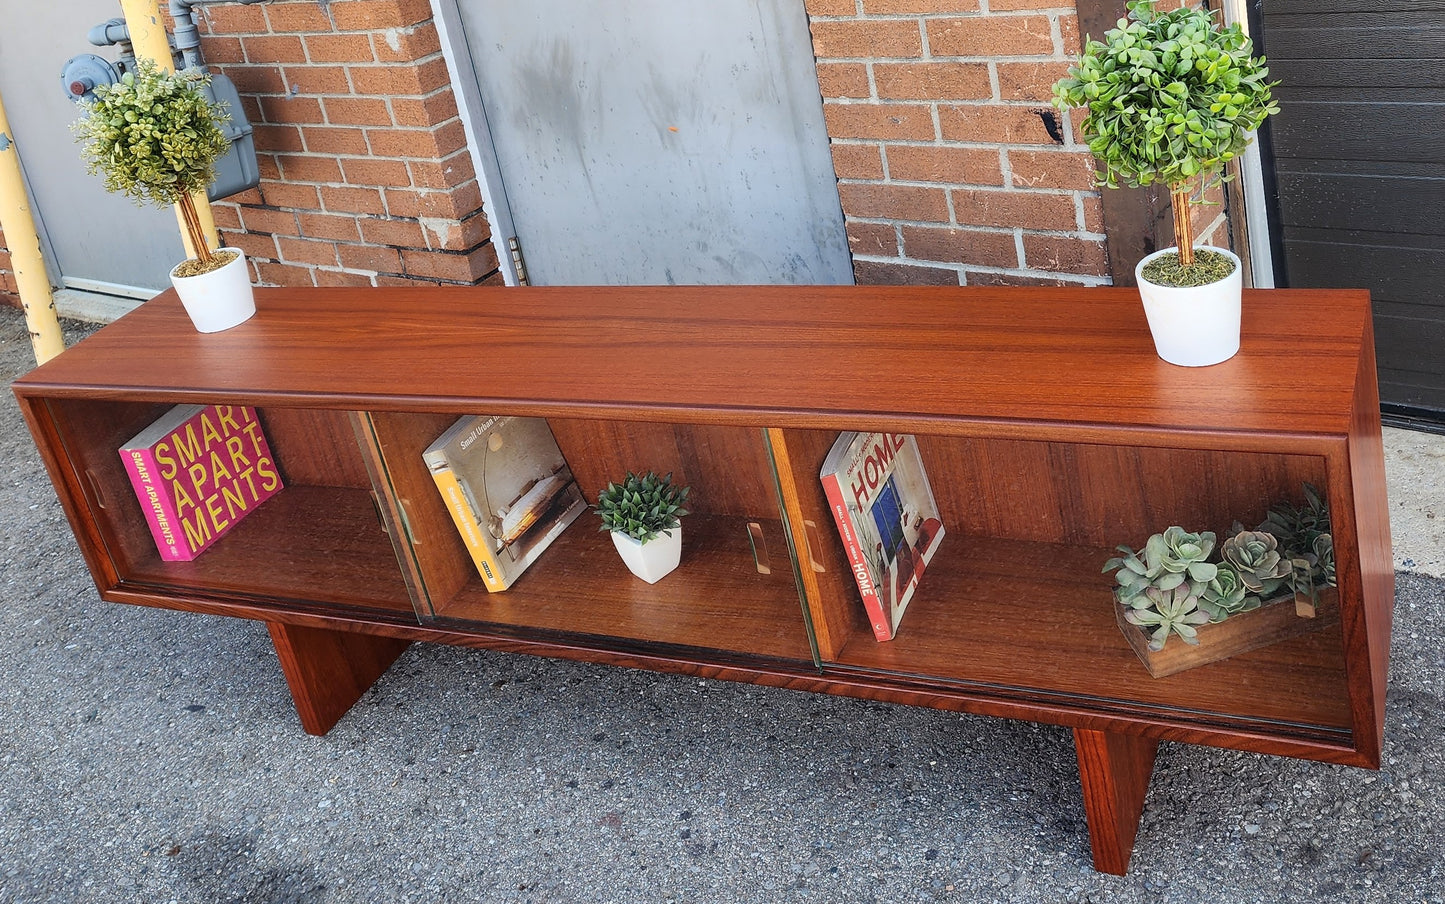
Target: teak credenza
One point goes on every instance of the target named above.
(1049, 429)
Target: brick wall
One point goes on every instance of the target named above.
(952, 166)
(365, 174)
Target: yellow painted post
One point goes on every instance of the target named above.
(23, 241)
(148, 37)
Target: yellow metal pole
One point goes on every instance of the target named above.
(148, 37)
(24, 243)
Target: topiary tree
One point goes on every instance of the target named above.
(1171, 97)
(155, 137)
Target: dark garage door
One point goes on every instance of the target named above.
(1359, 171)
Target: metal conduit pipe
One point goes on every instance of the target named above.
(187, 35)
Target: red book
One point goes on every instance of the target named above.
(883, 505)
(197, 471)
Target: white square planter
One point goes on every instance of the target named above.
(654, 559)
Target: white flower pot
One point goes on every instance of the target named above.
(653, 559)
(1197, 325)
(220, 299)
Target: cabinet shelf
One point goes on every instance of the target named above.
(718, 600)
(1037, 618)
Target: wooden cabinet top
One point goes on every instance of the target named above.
(1025, 361)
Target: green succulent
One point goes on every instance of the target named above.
(1298, 527)
(642, 507)
(1167, 561)
(1173, 611)
(1324, 548)
(1226, 595)
(1256, 556)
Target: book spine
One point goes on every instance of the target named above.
(470, 528)
(156, 502)
(857, 561)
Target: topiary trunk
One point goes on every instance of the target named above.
(1183, 228)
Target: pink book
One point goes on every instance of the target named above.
(197, 471)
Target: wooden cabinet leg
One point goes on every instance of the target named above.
(329, 670)
(1114, 769)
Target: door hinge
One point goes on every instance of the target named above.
(519, 263)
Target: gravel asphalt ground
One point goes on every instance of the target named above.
(154, 756)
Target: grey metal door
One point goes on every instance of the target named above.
(659, 141)
(1359, 167)
(93, 237)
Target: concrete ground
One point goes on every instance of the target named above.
(153, 756)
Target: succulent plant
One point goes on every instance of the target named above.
(642, 507)
(1297, 527)
(1173, 611)
(1256, 556)
(1324, 549)
(1167, 561)
(1226, 595)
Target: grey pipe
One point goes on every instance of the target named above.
(187, 35)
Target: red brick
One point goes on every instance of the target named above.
(234, 19)
(370, 257)
(356, 111)
(369, 15)
(256, 79)
(305, 251)
(351, 199)
(270, 170)
(317, 80)
(896, 202)
(403, 282)
(1005, 6)
(995, 123)
(249, 196)
(448, 173)
(1029, 81)
(220, 51)
(274, 49)
(897, 122)
(396, 232)
(425, 144)
(400, 45)
(990, 36)
(830, 7)
(424, 111)
(872, 239)
(1066, 254)
(456, 203)
(1069, 31)
(422, 78)
(385, 173)
(256, 246)
(843, 80)
(473, 230)
(225, 214)
(341, 278)
(857, 161)
(1093, 214)
(297, 17)
(332, 48)
(284, 274)
(276, 137)
(871, 38)
(322, 140)
(932, 163)
(260, 219)
(466, 268)
(881, 273)
(290, 195)
(920, 7)
(1052, 169)
(960, 246)
(298, 168)
(1031, 210)
(932, 81)
(290, 109)
(329, 226)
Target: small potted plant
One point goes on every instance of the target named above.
(154, 137)
(643, 515)
(1171, 98)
